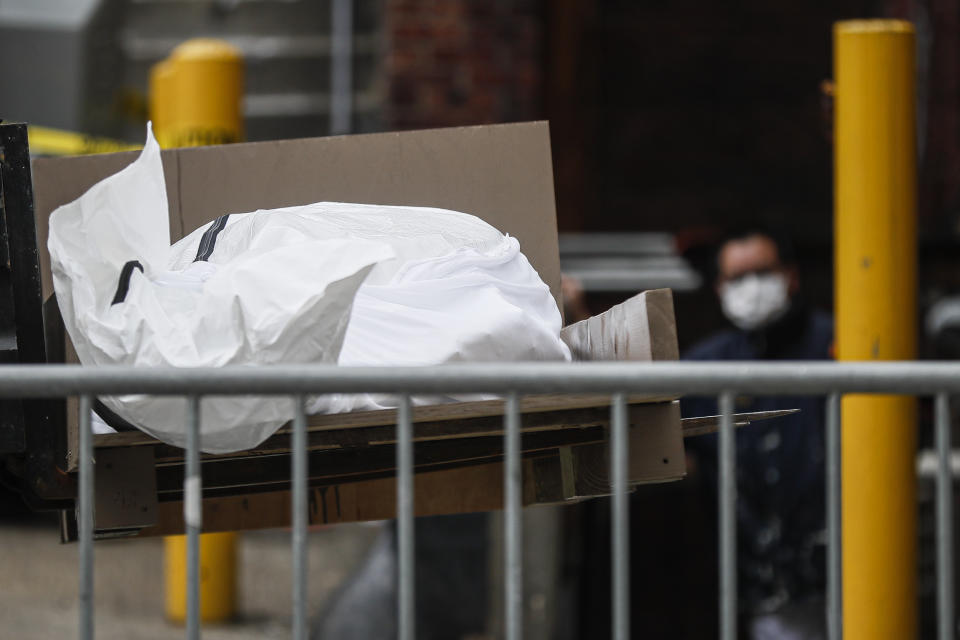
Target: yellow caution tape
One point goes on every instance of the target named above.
(56, 142)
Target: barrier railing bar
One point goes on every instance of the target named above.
(728, 521)
(945, 621)
(85, 517)
(299, 509)
(406, 597)
(661, 378)
(619, 455)
(512, 480)
(834, 567)
(193, 516)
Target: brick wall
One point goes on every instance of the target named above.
(461, 62)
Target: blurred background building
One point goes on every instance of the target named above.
(682, 117)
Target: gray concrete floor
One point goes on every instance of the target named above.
(38, 582)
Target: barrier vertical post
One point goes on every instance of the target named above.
(875, 300)
(620, 529)
(727, 463)
(406, 592)
(85, 499)
(299, 506)
(834, 572)
(513, 524)
(946, 623)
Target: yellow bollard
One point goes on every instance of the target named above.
(875, 298)
(196, 99)
(218, 561)
(201, 86)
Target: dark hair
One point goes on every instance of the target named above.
(784, 245)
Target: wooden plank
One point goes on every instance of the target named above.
(125, 489)
(463, 490)
(328, 439)
(452, 419)
(649, 419)
(711, 424)
(654, 438)
(340, 463)
(656, 455)
(473, 488)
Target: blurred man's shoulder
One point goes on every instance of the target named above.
(821, 322)
(722, 345)
(819, 340)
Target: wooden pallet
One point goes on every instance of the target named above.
(458, 450)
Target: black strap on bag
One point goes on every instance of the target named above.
(111, 418)
(124, 285)
(209, 239)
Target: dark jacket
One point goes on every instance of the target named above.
(780, 465)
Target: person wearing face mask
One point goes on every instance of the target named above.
(780, 462)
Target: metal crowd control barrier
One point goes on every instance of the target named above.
(722, 379)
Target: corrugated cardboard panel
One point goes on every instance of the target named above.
(640, 328)
(501, 173)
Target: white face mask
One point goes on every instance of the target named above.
(755, 300)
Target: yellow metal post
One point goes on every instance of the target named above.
(875, 300)
(218, 561)
(161, 101)
(200, 89)
(195, 99)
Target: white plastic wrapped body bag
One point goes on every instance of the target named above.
(456, 290)
(467, 306)
(325, 282)
(125, 299)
